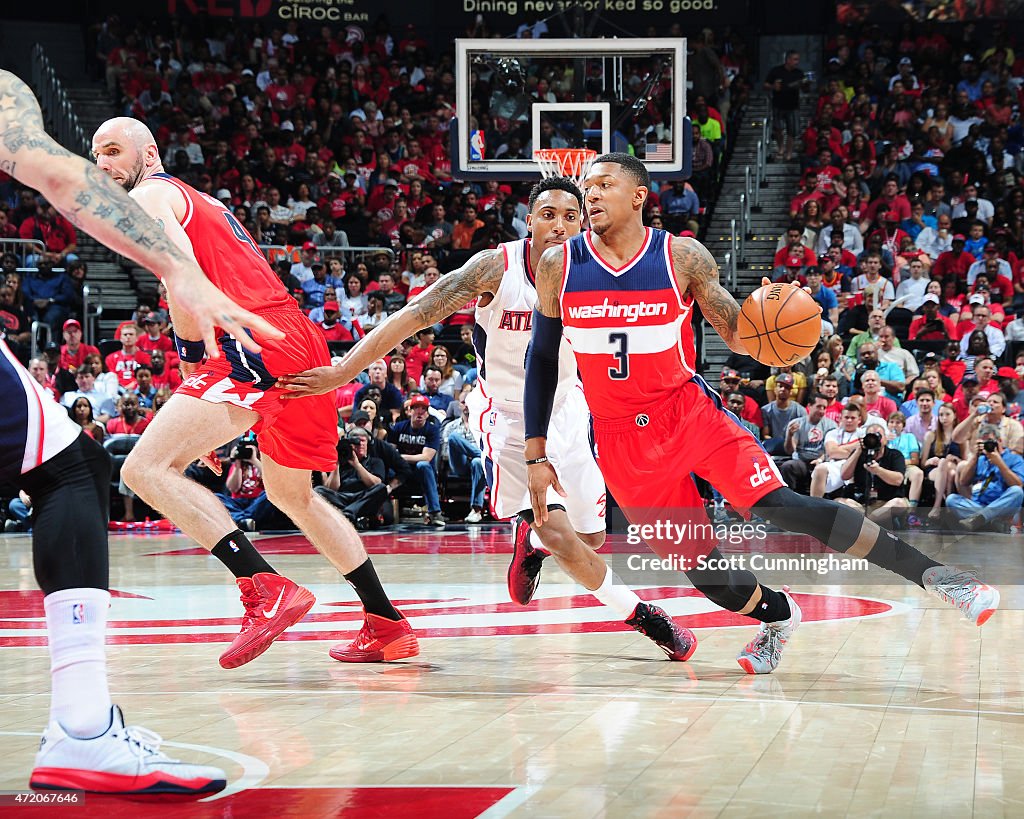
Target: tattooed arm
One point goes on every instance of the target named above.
(694, 267)
(481, 274)
(93, 202)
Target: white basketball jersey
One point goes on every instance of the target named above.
(502, 334)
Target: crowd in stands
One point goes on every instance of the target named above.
(330, 146)
(908, 230)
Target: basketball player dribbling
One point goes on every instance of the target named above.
(622, 295)
(223, 397)
(86, 745)
(502, 279)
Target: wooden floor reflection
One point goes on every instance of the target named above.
(887, 702)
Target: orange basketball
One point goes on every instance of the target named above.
(780, 324)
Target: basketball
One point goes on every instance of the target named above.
(780, 324)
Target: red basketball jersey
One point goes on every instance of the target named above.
(629, 327)
(227, 254)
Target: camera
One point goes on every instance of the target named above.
(345, 450)
(990, 446)
(872, 445)
(243, 453)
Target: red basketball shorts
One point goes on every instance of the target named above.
(301, 433)
(647, 463)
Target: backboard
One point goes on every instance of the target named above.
(514, 96)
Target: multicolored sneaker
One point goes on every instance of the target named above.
(762, 654)
(654, 623)
(124, 761)
(378, 641)
(524, 570)
(978, 601)
(272, 604)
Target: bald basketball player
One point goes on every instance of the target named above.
(231, 393)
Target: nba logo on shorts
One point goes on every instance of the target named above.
(476, 145)
(78, 613)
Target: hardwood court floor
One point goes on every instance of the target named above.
(886, 702)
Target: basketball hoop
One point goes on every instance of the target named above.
(569, 162)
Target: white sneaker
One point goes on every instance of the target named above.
(762, 654)
(978, 601)
(474, 516)
(119, 761)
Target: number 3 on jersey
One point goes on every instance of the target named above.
(621, 372)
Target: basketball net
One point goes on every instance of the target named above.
(569, 162)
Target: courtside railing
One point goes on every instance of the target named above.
(56, 105)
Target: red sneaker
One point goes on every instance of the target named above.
(524, 570)
(272, 604)
(379, 640)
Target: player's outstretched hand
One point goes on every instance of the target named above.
(209, 308)
(311, 382)
(765, 281)
(538, 478)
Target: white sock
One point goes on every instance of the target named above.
(617, 596)
(76, 621)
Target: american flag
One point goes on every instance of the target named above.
(659, 151)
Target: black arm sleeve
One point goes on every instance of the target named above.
(541, 374)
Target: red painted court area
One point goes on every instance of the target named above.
(309, 803)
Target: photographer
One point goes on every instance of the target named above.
(876, 475)
(356, 486)
(245, 498)
(989, 482)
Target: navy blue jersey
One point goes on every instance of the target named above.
(33, 427)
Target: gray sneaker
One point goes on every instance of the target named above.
(762, 654)
(435, 519)
(978, 601)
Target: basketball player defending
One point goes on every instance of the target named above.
(622, 294)
(86, 745)
(223, 397)
(502, 279)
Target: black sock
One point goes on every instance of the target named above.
(236, 552)
(364, 580)
(900, 557)
(772, 607)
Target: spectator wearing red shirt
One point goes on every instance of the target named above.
(131, 421)
(890, 200)
(54, 231)
(430, 275)
(730, 382)
(794, 248)
(891, 234)
(73, 351)
(153, 339)
(165, 374)
(875, 401)
(966, 392)
(810, 192)
(419, 356)
(125, 360)
(956, 261)
(932, 325)
(332, 327)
